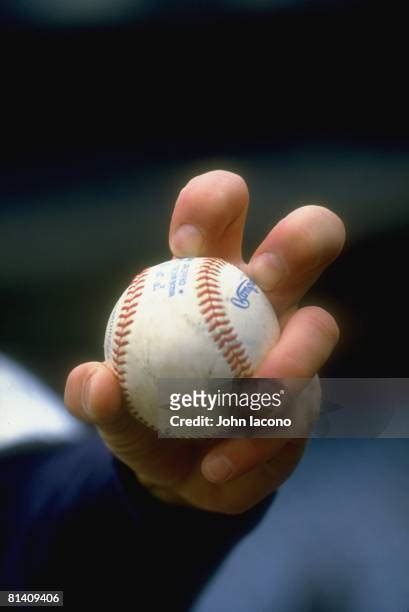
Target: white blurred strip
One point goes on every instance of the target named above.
(29, 411)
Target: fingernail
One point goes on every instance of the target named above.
(187, 241)
(267, 270)
(86, 395)
(218, 469)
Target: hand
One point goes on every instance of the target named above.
(227, 476)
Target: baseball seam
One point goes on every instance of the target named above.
(125, 320)
(220, 328)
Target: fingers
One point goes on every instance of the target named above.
(304, 346)
(209, 217)
(295, 253)
(233, 458)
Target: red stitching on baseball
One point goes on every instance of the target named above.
(125, 319)
(128, 314)
(215, 316)
(216, 313)
(128, 309)
(208, 308)
(225, 339)
(218, 336)
(200, 285)
(207, 291)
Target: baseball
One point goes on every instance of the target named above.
(186, 318)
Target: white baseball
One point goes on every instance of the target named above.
(186, 318)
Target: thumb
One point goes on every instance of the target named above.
(92, 394)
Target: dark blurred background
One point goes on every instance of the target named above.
(109, 106)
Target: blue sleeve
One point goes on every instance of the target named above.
(73, 518)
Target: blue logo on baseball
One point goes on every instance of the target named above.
(241, 299)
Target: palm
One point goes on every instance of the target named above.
(171, 469)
